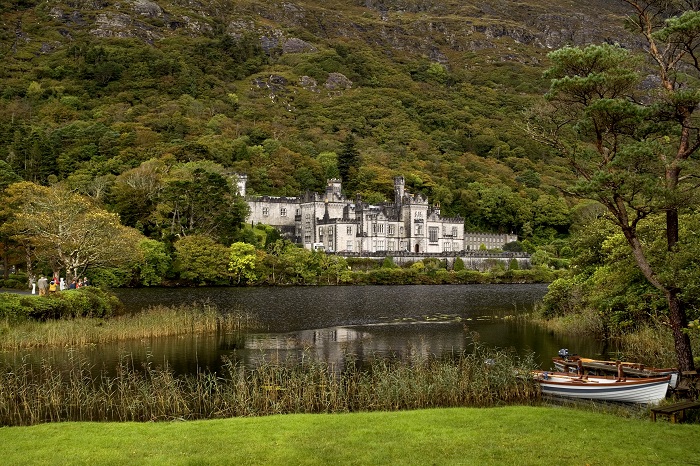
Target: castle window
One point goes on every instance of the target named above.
(349, 230)
(320, 233)
(391, 245)
(380, 245)
(392, 230)
(283, 212)
(419, 229)
(433, 234)
(381, 228)
(454, 232)
(349, 245)
(330, 232)
(446, 246)
(400, 231)
(266, 211)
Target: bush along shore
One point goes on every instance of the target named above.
(31, 395)
(20, 329)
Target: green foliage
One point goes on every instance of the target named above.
(202, 260)
(513, 264)
(242, 262)
(388, 263)
(154, 264)
(515, 246)
(84, 302)
(606, 279)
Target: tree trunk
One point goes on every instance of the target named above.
(679, 323)
(676, 308)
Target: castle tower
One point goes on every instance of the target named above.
(399, 186)
(241, 181)
(333, 189)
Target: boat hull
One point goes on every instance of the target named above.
(597, 367)
(639, 390)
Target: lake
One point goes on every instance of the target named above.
(334, 323)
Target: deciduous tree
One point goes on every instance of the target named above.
(242, 261)
(201, 259)
(67, 230)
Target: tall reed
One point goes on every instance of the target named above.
(652, 345)
(30, 395)
(156, 321)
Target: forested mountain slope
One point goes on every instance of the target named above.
(99, 93)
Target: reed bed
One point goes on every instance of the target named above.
(585, 323)
(652, 345)
(156, 321)
(31, 395)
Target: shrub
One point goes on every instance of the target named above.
(470, 276)
(83, 302)
(513, 264)
(388, 263)
(362, 263)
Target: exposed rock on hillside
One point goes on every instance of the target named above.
(432, 28)
(337, 82)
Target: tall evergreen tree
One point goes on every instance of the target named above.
(348, 161)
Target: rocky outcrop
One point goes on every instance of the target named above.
(337, 82)
(294, 45)
(309, 83)
(122, 25)
(432, 28)
(147, 8)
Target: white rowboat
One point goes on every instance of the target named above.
(577, 364)
(648, 390)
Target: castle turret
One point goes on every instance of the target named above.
(399, 186)
(241, 181)
(333, 189)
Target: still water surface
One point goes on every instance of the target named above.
(335, 323)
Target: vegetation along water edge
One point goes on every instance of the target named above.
(37, 393)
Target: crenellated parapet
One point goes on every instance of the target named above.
(272, 199)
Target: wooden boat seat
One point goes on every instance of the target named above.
(675, 411)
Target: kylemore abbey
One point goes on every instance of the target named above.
(334, 223)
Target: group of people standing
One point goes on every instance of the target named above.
(47, 287)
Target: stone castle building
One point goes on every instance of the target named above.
(331, 222)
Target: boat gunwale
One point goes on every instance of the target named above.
(613, 364)
(586, 380)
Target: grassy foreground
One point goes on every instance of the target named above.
(509, 435)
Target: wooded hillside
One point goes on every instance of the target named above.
(108, 96)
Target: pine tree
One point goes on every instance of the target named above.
(348, 160)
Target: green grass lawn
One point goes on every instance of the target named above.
(509, 435)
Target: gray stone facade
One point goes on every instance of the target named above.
(331, 222)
